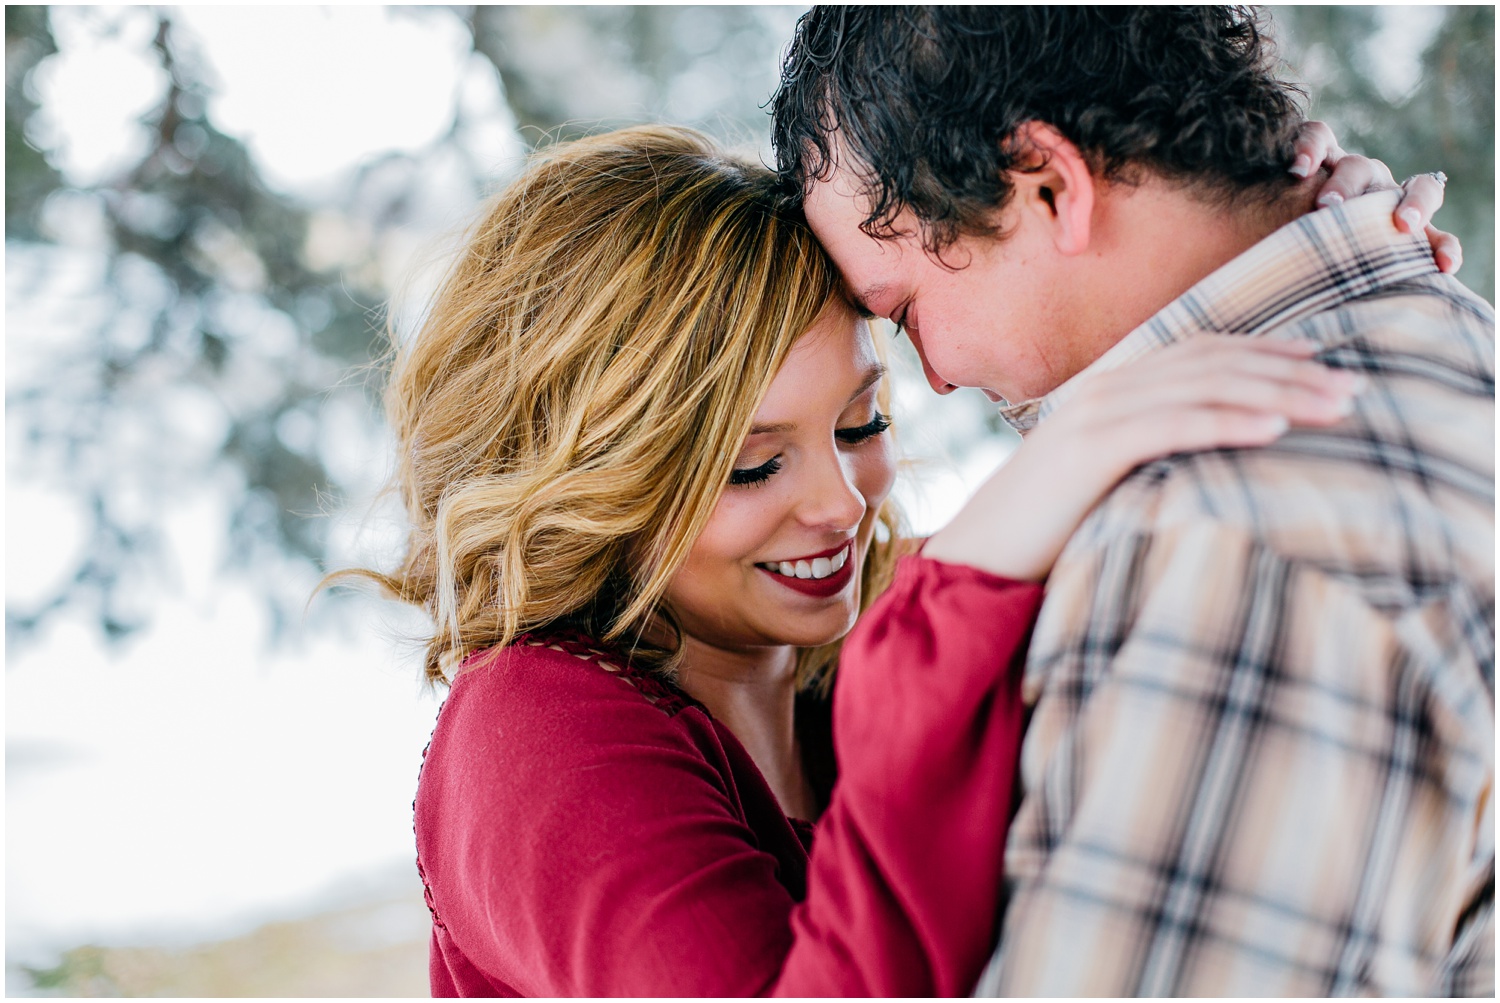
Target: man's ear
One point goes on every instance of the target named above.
(1057, 187)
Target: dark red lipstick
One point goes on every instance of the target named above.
(822, 588)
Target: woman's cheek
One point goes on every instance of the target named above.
(875, 472)
(742, 523)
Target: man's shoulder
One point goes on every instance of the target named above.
(1400, 494)
(1431, 317)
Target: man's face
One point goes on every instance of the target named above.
(982, 317)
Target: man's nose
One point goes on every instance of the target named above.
(935, 381)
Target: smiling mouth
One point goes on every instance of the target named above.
(815, 567)
(821, 576)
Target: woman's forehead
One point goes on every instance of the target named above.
(829, 367)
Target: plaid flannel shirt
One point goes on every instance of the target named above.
(1261, 752)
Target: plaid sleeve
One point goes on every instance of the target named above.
(1243, 780)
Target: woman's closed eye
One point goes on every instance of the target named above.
(872, 428)
(848, 436)
(755, 475)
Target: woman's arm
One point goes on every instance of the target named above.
(905, 880)
(1213, 391)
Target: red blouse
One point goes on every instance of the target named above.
(586, 831)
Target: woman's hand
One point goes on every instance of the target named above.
(1210, 392)
(1352, 175)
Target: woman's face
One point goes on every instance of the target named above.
(778, 562)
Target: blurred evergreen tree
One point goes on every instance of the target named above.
(28, 176)
(577, 70)
(200, 266)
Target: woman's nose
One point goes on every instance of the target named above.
(832, 499)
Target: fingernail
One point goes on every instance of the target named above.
(1412, 218)
(1345, 382)
(1276, 424)
(1328, 199)
(1345, 407)
(1302, 166)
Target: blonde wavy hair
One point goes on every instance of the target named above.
(573, 402)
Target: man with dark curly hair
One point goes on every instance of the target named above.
(1261, 753)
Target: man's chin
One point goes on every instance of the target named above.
(994, 397)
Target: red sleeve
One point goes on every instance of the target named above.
(904, 883)
(590, 846)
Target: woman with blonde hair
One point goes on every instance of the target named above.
(645, 454)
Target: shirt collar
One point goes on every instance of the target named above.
(1315, 263)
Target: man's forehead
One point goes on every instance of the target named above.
(839, 179)
(836, 200)
(838, 204)
(836, 208)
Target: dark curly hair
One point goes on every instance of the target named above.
(927, 101)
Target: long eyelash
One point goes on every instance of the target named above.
(853, 436)
(901, 321)
(756, 475)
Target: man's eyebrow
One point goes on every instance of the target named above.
(864, 297)
(872, 376)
